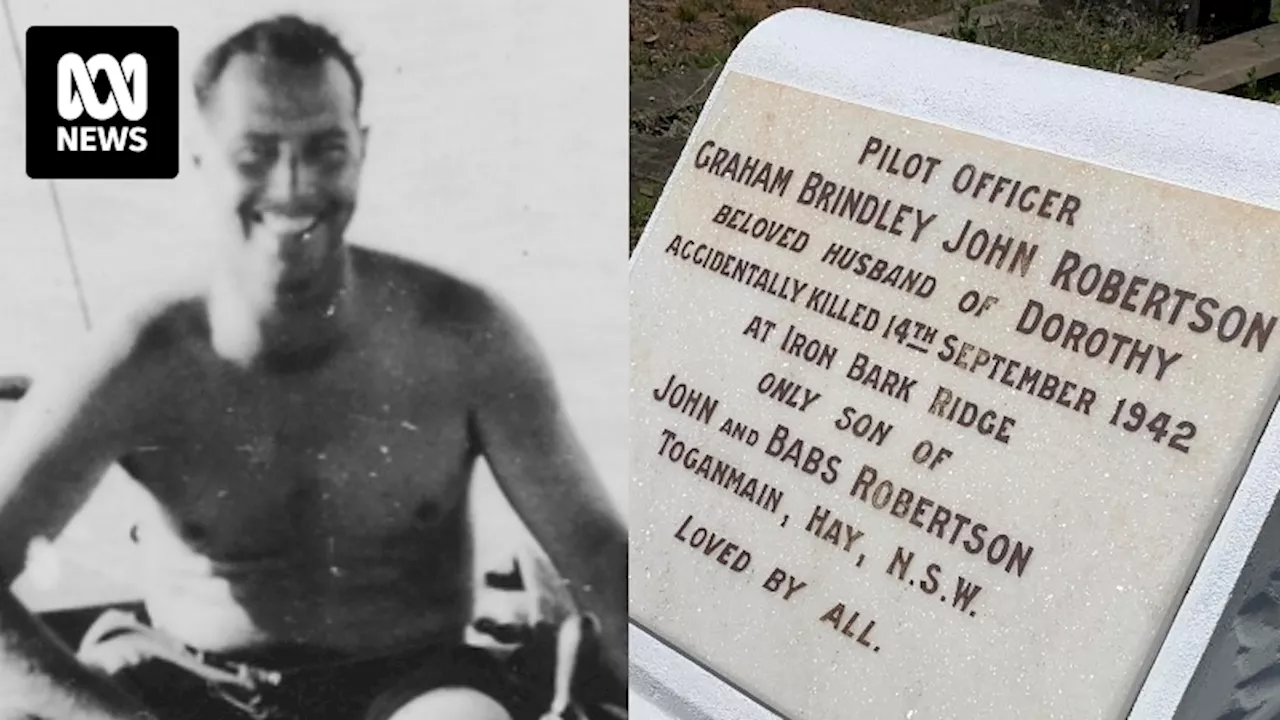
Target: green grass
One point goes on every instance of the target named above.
(710, 58)
(1267, 90)
(740, 23)
(1116, 41)
(642, 202)
(687, 12)
(676, 124)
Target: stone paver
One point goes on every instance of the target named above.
(1221, 65)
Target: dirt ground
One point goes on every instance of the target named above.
(669, 35)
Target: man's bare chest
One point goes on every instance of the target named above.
(364, 450)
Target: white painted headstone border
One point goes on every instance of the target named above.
(666, 685)
(1210, 143)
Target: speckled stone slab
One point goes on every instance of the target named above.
(927, 424)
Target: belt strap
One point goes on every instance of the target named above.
(119, 638)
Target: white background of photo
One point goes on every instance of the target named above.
(496, 152)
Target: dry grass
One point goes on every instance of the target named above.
(670, 35)
(1116, 41)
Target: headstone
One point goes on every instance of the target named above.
(950, 373)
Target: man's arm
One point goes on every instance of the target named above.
(66, 433)
(547, 477)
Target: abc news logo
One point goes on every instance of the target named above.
(78, 96)
(102, 102)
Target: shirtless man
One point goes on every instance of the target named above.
(308, 422)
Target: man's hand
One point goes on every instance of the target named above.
(546, 476)
(66, 433)
(39, 677)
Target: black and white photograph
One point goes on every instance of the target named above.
(331, 422)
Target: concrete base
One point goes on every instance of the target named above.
(1221, 65)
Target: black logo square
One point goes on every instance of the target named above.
(102, 102)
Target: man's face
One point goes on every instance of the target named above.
(284, 148)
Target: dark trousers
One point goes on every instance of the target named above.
(327, 688)
(324, 685)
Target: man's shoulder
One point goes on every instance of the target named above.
(437, 299)
(160, 324)
(128, 351)
(487, 330)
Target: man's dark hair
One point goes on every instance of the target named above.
(285, 38)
